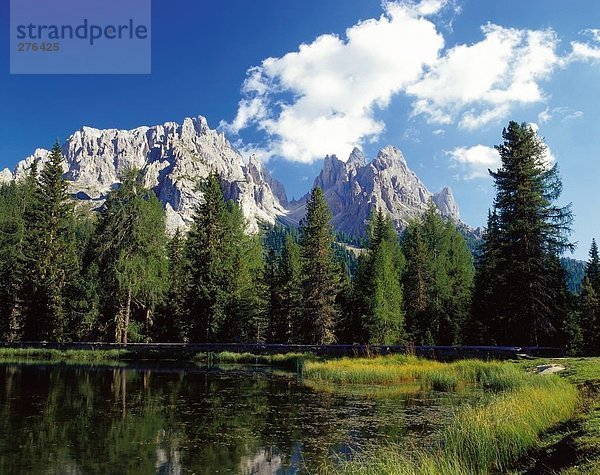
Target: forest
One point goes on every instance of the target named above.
(71, 274)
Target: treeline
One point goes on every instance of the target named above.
(70, 274)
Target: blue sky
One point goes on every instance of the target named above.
(439, 79)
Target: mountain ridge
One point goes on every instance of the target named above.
(175, 157)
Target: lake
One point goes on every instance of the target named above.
(184, 419)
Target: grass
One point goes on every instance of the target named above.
(293, 361)
(44, 354)
(575, 447)
(482, 438)
(400, 369)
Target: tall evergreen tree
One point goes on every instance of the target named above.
(532, 232)
(246, 318)
(131, 242)
(320, 278)
(50, 253)
(438, 280)
(589, 317)
(171, 324)
(208, 266)
(480, 328)
(285, 293)
(592, 267)
(379, 288)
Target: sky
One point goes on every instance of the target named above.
(293, 81)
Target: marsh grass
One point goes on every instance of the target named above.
(293, 361)
(482, 438)
(393, 370)
(44, 354)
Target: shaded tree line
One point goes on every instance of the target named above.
(70, 274)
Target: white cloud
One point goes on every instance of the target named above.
(545, 115)
(438, 132)
(325, 97)
(479, 83)
(565, 112)
(476, 160)
(322, 98)
(585, 51)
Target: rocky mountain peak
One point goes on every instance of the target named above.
(356, 159)
(173, 157)
(445, 202)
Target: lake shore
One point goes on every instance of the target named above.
(526, 421)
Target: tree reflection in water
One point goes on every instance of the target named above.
(171, 420)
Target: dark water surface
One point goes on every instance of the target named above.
(146, 419)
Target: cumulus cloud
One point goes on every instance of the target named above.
(586, 51)
(479, 83)
(565, 113)
(325, 97)
(322, 98)
(475, 161)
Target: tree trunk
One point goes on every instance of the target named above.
(127, 313)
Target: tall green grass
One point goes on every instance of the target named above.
(482, 438)
(407, 369)
(293, 361)
(46, 354)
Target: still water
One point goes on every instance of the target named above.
(161, 419)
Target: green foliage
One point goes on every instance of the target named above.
(49, 254)
(378, 290)
(520, 274)
(130, 244)
(320, 274)
(438, 280)
(285, 293)
(226, 290)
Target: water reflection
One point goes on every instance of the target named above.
(175, 420)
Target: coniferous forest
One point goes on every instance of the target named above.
(71, 274)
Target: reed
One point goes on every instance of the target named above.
(481, 439)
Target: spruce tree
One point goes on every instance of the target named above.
(50, 253)
(589, 304)
(131, 242)
(285, 293)
(208, 266)
(246, 318)
(592, 267)
(171, 324)
(438, 280)
(379, 286)
(320, 278)
(532, 232)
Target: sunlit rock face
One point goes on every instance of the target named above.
(173, 159)
(355, 187)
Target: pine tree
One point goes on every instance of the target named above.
(592, 267)
(50, 253)
(379, 288)
(208, 271)
(246, 318)
(319, 272)
(438, 280)
(171, 324)
(285, 293)
(480, 328)
(589, 317)
(131, 242)
(532, 232)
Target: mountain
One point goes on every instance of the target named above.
(353, 188)
(174, 158)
